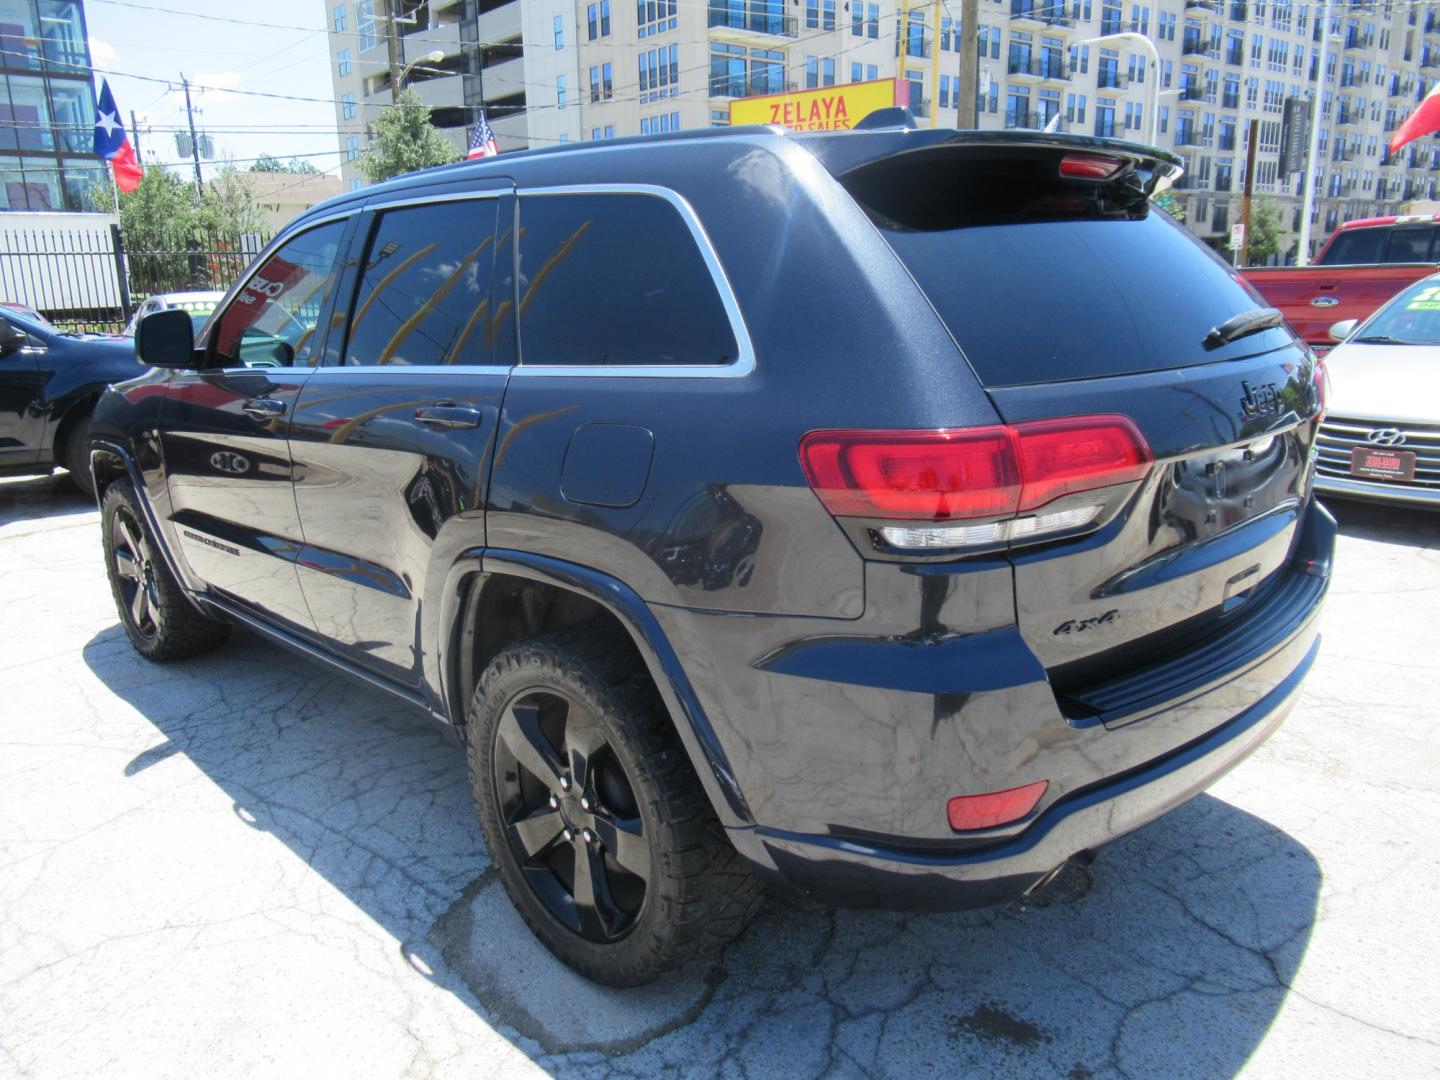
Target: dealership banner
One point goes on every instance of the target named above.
(831, 108)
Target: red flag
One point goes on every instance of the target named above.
(1425, 120)
(127, 169)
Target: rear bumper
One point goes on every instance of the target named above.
(1377, 491)
(847, 873)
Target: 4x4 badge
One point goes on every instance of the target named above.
(1079, 626)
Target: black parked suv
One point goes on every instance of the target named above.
(890, 515)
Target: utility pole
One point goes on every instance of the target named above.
(194, 141)
(935, 65)
(135, 131)
(970, 60)
(1252, 137)
(393, 9)
(1307, 202)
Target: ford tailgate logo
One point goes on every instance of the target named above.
(1325, 301)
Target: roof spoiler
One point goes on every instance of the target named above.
(1145, 170)
(893, 118)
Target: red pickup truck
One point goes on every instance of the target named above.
(1364, 264)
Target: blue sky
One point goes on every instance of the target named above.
(135, 38)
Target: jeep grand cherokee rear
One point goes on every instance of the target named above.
(905, 511)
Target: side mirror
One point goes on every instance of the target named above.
(1343, 329)
(12, 338)
(166, 339)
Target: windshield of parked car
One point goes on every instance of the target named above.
(1412, 318)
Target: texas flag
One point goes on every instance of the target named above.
(112, 144)
(1423, 121)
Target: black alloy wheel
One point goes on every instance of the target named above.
(134, 572)
(570, 815)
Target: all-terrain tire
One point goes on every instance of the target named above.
(162, 624)
(75, 454)
(701, 894)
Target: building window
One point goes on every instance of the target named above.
(365, 24)
(857, 71)
(857, 20)
(607, 80)
(872, 72)
(355, 184)
(342, 61)
(827, 21)
(872, 20)
(812, 73)
(812, 14)
(592, 21)
(594, 82)
(559, 32)
(655, 16)
(352, 147)
(347, 106)
(338, 18)
(827, 71)
(560, 91)
(604, 18)
(944, 91)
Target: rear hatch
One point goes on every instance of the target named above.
(1071, 295)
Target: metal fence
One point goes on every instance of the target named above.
(87, 279)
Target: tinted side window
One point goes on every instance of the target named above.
(1410, 245)
(615, 280)
(271, 321)
(1357, 246)
(424, 293)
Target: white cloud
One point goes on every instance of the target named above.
(102, 53)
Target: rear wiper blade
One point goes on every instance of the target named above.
(1384, 339)
(1247, 322)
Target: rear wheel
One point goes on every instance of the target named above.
(593, 816)
(75, 454)
(158, 618)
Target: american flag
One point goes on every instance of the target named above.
(482, 140)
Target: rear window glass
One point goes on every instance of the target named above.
(1037, 284)
(1383, 244)
(614, 279)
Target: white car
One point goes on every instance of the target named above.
(198, 304)
(1380, 439)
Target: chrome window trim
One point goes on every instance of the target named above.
(744, 362)
(383, 203)
(415, 369)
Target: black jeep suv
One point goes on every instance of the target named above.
(892, 515)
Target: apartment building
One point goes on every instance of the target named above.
(47, 107)
(551, 71)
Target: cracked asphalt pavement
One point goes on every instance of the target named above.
(247, 866)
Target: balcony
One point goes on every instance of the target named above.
(1108, 79)
(1344, 117)
(1227, 142)
(1111, 25)
(1193, 92)
(1395, 89)
(1230, 101)
(1105, 128)
(1358, 41)
(758, 20)
(1193, 45)
(1239, 12)
(1224, 182)
(1052, 68)
(1189, 137)
(1235, 56)
(1023, 119)
(1046, 14)
(1205, 5)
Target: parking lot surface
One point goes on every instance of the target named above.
(247, 866)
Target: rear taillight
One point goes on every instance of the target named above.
(996, 472)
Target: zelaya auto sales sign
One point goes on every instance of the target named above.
(831, 108)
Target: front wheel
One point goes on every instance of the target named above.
(160, 621)
(592, 814)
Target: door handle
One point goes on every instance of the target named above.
(263, 408)
(449, 415)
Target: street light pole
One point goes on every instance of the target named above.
(1154, 71)
(1307, 199)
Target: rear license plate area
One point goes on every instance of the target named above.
(1375, 464)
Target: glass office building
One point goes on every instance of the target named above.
(47, 107)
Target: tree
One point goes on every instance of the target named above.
(405, 140)
(178, 239)
(267, 163)
(1268, 235)
(1166, 201)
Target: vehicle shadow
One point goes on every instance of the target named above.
(1386, 523)
(31, 498)
(1170, 956)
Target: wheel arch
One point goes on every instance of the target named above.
(495, 597)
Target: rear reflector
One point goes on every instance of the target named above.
(1089, 166)
(967, 812)
(986, 472)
